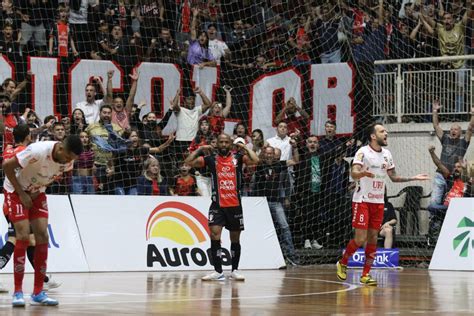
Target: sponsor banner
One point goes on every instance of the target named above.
(148, 233)
(455, 247)
(384, 258)
(65, 249)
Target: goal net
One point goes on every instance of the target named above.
(178, 73)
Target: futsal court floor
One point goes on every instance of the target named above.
(295, 291)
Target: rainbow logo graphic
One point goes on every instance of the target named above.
(178, 222)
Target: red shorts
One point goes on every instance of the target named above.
(367, 215)
(17, 212)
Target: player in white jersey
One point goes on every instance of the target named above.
(371, 166)
(28, 174)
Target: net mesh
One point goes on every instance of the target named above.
(250, 65)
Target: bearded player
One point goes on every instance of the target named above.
(226, 207)
(371, 165)
(27, 176)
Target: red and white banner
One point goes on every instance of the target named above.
(331, 84)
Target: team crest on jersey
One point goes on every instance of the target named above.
(360, 156)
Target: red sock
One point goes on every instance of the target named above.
(370, 251)
(350, 249)
(41, 255)
(19, 256)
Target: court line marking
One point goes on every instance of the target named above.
(350, 287)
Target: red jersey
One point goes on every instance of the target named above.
(457, 191)
(185, 187)
(8, 153)
(11, 151)
(226, 178)
(10, 123)
(217, 124)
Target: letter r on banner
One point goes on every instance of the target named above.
(332, 97)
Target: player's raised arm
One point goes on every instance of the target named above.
(194, 160)
(396, 178)
(250, 157)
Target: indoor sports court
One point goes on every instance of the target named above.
(295, 291)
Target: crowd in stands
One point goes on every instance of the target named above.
(126, 152)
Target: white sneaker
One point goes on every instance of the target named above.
(235, 275)
(307, 244)
(214, 276)
(3, 289)
(316, 245)
(51, 284)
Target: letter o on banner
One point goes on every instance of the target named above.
(261, 107)
(84, 70)
(170, 76)
(7, 69)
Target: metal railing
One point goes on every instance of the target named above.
(405, 93)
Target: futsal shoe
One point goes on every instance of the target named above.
(368, 280)
(307, 244)
(341, 271)
(235, 275)
(18, 300)
(214, 276)
(51, 284)
(43, 299)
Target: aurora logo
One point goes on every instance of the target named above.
(464, 238)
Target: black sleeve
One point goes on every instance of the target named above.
(165, 119)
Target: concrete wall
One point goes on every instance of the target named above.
(409, 146)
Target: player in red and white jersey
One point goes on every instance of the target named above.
(27, 176)
(371, 166)
(226, 207)
(22, 138)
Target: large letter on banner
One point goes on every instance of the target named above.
(170, 77)
(207, 79)
(43, 86)
(84, 70)
(332, 97)
(7, 69)
(261, 107)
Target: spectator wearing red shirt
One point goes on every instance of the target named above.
(61, 39)
(294, 123)
(217, 114)
(8, 119)
(184, 184)
(202, 135)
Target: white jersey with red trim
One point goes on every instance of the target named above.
(372, 190)
(38, 169)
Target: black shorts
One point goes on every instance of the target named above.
(231, 218)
